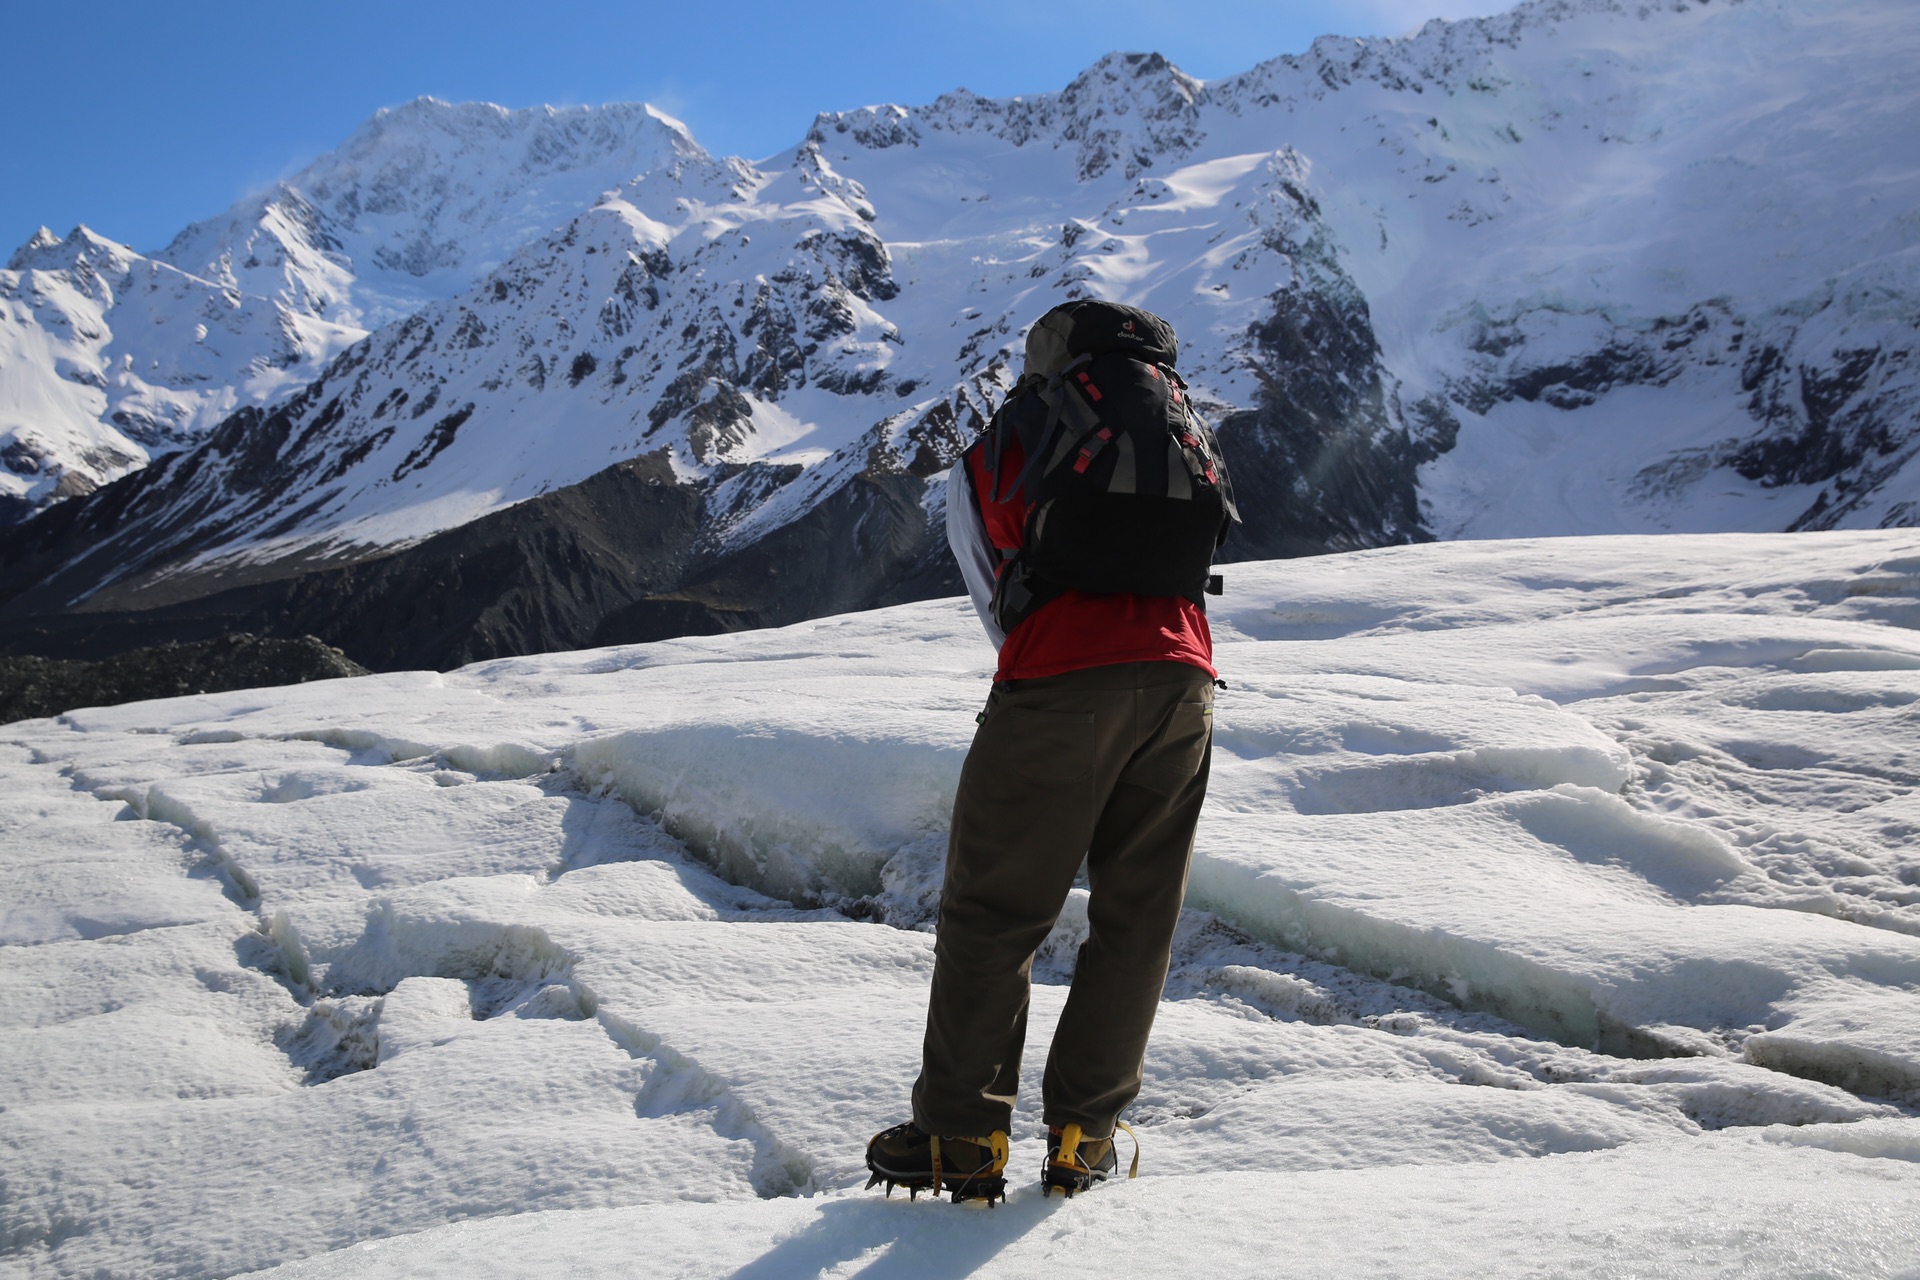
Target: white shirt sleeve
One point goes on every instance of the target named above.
(967, 535)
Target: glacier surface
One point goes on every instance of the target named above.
(1556, 909)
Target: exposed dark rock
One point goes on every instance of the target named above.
(630, 554)
(865, 265)
(437, 440)
(35, 686)
(721, 420)
(872, 127)
(22, 458)
(777, 361)
(532, 578)
(1319, 465)
(1823, 422)
(868, 544)
(852, 383)
(1649, 355)
(1323, 462)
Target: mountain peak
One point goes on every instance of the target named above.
(1133, 71)
(27, 254)
(46, 251)
(543, 136)
(1129, 109)
(422, 199)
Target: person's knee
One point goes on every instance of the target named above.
(977, 933)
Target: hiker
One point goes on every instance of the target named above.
(1084, 520)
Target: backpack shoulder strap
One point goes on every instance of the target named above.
(1054, 394)
(1001, 428)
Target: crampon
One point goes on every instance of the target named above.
(1075, 1162)
(960, 1168)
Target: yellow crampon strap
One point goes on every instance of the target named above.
(1064, 1155)
(997, 1151)
(1067, 1156)
(1134, 1170)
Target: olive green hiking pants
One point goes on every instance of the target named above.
(1109, 764)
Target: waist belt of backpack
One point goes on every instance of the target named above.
(1018, 595)
(1018, 592)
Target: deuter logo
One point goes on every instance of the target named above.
(1126, 327)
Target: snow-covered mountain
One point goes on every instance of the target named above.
(109, 357)
(422, 201)
(113, 357)
(1585, 267)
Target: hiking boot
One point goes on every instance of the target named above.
(967, 1168)
(1075, 1163)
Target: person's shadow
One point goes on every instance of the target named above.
(921, 1241)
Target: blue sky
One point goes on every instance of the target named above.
(137, 118)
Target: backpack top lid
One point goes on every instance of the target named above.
(1090, 327)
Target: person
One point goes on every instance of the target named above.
(1095, 744)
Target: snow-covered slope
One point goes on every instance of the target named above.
(1578, 268)
(1661, 258)
(1555, 911)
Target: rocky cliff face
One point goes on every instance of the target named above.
(1520, 275)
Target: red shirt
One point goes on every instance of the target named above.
(1079, 630)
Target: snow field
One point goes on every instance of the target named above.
(1726, 1205)
(1554, 910)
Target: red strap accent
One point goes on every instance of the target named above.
(1086, 453)
(1093, 392)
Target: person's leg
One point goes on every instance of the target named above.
(1022, 819)
(1137, 868)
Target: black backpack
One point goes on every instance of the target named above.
(1125, 485)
